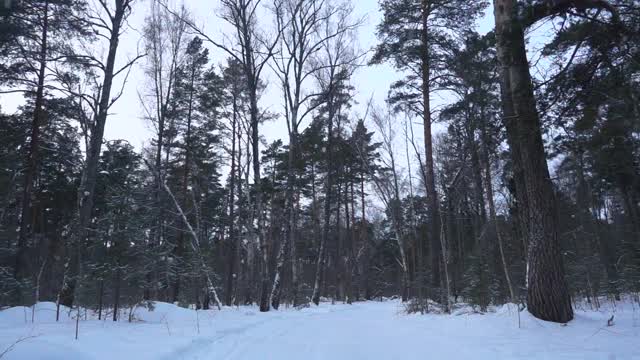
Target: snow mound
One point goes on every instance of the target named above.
(43, 312)
(160, 313)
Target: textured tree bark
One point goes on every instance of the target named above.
(548, 295)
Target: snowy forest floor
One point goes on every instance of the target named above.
(367, 330)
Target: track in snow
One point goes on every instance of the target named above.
(381, 331)
(370, 330)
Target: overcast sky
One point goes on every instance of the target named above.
(126, 116)
(126, 120)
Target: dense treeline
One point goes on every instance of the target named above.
(531, 194)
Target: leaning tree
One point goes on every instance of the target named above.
(547, 291)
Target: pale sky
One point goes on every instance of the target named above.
(126, 120)
(126, 116)
(127, 123)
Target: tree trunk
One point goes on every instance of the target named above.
(179, 250)
(233, 246)
(488, 178)
(320, 261)
(265, 282)
(477, 177)
(32, 156)
(89, 176)
(548, 295)
(100, 298)
(349, 261)
(445, 262)
(589, 223)
(293, 255)
(290, 215)
(365, 243)
(417, 239)
(396, 214)
(430, 184)
(116, 292)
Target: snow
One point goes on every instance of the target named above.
(366, 330)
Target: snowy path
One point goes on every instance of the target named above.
(379, 331)
(334, 332)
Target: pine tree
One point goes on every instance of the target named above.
(40, 31)
(547, 295)
(415, 35)
(364, 169)
(103, 102)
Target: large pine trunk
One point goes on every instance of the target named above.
(548, 295)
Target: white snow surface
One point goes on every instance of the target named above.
(366, 330)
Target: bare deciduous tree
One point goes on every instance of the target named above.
(253, 48)
(334, 62)
(109, 22)
(304, 31)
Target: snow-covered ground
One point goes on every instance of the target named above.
(371, 330)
